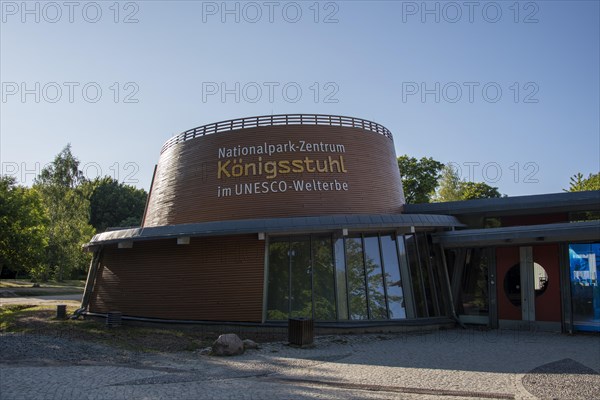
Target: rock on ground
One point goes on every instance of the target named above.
(228, 344)
(250, 344)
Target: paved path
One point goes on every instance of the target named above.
(70, 299)
(452, 364)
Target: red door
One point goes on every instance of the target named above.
(547, 300)
(528, 286)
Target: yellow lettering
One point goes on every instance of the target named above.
(298, 166)
(248, 167)
(284, 167)
(308, 163)
(222, 170)
(271, 169)
(323, 168)
(237, 169)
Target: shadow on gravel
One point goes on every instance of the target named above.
(501, 351)
(576, 381)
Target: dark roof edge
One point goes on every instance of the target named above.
(278, 225)
(546, 233)
(532, 204)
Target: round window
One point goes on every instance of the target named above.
(512, 282)
(540, 279)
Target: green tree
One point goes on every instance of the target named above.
(453, 188)
(322, 282)
(419, 178)
(63, 172)
(355, 272)
(279, 280)
(478, 190)
(579, 184)
(115, 204)
(22, 227)
(449, 185)
(60, 185)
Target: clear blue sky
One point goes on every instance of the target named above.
(375, 61)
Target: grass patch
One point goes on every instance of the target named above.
(42, 320)
(9, 315)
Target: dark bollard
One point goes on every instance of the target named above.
(301, 331)
(61, 311)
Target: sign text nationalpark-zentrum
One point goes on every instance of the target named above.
(289, 147)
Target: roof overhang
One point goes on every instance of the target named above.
(531, 234)
(279, 226)
(517, 205)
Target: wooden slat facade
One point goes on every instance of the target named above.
(221, 278)
(185, 184)
(210, 279)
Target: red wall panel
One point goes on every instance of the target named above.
(506, 257)
(547, 304)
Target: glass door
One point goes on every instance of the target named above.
(584, 261)
(301, 278)
(470, 284)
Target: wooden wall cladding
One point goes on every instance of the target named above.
(186, 184)
(210, 279)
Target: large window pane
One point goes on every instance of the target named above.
(301, 278)
(356, 278)
(417, 278)
(439, 276)
(323, 286)
(377, 304)
(340, 279)
(450, 260)
(392, 277)
(473, 296)
(429, 280)
(279, 280)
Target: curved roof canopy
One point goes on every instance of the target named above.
(279, 226)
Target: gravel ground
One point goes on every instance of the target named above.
(17, 348)
(448, 364)
(563, 379)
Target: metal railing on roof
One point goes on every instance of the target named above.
(275, 120)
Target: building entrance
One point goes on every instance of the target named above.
(528, 287)
(584, 260)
